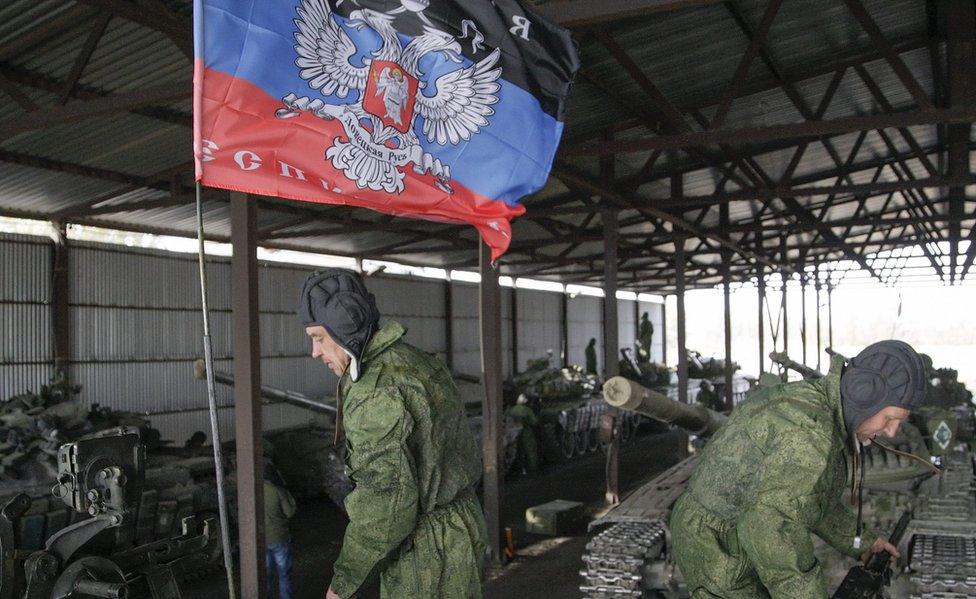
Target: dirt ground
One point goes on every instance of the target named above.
(543, 566)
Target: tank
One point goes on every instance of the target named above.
(630, 554)
(569, 410)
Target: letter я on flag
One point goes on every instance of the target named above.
(447, 110)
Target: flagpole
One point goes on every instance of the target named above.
(212, 404)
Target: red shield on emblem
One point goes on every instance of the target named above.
(390, 94)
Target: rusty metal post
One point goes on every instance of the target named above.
(60, 290)
(679, 283)
(611, 342)
(816, 287)
(761, 291)
(247, 395)
(564, 326)
(726, 293)
(830, 313)
(664, 332)
(513, 317)
(490, 310)
(448, 325)
(784, 307)
(803, 315)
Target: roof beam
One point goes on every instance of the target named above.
(153, 15)
(37, 80)
(79, 111)
(746, 135)
(889, 53)
(573, 177)
(585, 13)
(84, 55)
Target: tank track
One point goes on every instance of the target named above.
(943, 560)
(614, 559)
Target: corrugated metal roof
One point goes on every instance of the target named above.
(689, 54)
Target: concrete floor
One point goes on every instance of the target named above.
(543, 566)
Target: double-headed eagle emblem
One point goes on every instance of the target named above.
(391, 91)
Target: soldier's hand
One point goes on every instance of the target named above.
(330, 594)
(881, 544)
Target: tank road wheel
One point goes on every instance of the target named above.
(582, 437)
(626, 429)
(567, 443)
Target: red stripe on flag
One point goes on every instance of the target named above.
(243, 146)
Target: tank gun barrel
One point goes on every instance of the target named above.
(268, 392)
(784, 360)
(626, 394)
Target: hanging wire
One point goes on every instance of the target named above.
(212, 404)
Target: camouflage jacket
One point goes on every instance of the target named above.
(409, 451)
(778, 471)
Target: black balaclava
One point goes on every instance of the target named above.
(338, 300)
(886, 373)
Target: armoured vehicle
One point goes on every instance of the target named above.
(102, 552)
(630, 554)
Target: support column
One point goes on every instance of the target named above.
(490, 308)
(564, 324)
(247, 398)
(664, 331)
(803, 315)
(726, 282)
(761, 284)
(761, 292)
(448, 325)
(816, 286)
(785, 276)
(611, 342)
(60, 291)
(830, 314)
(679, 285)
(513, 316)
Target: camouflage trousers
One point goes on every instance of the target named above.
(708, 554)
(443, 557)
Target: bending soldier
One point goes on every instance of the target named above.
(776, 473)
(414, 518)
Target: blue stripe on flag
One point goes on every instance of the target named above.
(506, 160)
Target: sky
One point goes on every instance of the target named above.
(934, 319)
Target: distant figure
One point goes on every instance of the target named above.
(591, 356)
(528, 444)
(279, 507)
(644, 336)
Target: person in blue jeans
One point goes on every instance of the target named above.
(279, 507)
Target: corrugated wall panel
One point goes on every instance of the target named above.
(466, 339)
(539, 327)
(417, 304)
(26, 349)
(585, 316)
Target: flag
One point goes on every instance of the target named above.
(447, 110)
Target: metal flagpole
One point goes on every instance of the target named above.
(212, 403)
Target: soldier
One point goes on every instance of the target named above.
(591, 356)
(414, 518)
(776, 473)
(528, 444)
(279, 508)
(644, 335)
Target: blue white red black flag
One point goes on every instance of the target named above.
(446, 110)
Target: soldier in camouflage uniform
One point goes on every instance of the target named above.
(776, 472)
(414, 519)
